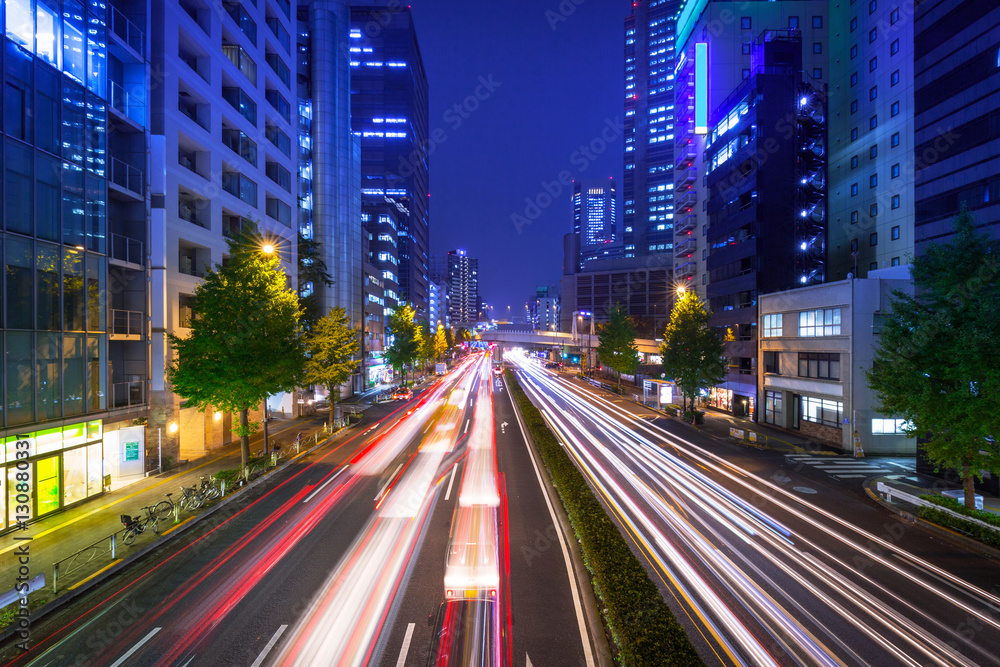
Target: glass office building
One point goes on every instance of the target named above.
(62, 171)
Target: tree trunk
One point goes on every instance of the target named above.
(244, 436)
(333, 403)
(969, 487)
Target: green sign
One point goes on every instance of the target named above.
(132, 451)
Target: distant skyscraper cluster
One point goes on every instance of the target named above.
(458, 275)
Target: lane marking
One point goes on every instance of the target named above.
(570, 570)
(466, 429)
(120, 661)
(323, 486)
(447, 495)
(404, 649)
(270, 644)
(388, 482)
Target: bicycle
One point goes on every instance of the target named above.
(135, 525)
(165, 508)
(209, 488)
(191, 499)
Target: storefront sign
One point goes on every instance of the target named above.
(131, 451)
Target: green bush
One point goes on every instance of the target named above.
(642, 627)
(982, 533)
(697, 416)
(226, 476)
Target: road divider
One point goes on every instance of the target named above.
(642, 627)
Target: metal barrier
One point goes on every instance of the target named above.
(98, 551)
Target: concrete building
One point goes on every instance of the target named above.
(389, 115)
(956, 147)
(543, 308)
(816, 342)
(640, 284)
(438, 305)
(461, 275)
(75, 251)
(871, 126)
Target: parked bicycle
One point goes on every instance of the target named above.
(135, 525)
(210, 489)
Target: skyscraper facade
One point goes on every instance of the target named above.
(389, 115)
(595, 217)
(648, 197)
(461, 274)
(871, 126)
(956, 149)
(74, 242)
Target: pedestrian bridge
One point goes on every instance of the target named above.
(550, 338)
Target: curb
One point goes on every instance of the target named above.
(181, 528)
(940, 531)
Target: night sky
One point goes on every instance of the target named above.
(559, 89)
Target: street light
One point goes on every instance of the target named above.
(267, 249)
(680, 292)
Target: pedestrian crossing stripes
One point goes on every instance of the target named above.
(844, 468)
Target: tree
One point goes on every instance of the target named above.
(426, 344)
(616, 346)
(692, 352)
(405, 347)
(245, 341)
(935, 361)
(449, 338)
(440, 343)
(312, 273)
(462, 336)
(331, 346)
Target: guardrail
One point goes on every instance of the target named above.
(98, 551)
(916, 501)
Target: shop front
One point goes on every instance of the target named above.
(64, 466)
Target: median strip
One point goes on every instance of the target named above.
(642, 627)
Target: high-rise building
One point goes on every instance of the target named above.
(648, 209)
(956, 149)
(438, 314)
(543, 308)
(461, 274)
(595, 218)
(75, 250)
(871, 126)
(389, 115)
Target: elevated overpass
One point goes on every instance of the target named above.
(529, 337)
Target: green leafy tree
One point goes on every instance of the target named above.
(245, 341)
(934, 363)
(426, 344)
(331, 346)
(616, 346)
(462, 336)
(692, 352)
(405, 348)
(449, 338)
(312, 270)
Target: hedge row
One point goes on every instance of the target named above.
(982, 533)
(642, 627)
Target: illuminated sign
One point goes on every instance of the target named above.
(701, 88)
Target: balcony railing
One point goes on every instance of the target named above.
(126, 176)
(687, 270)
(128, 322)
(125, 249)
(686, 223)
(686, 248)
(688, 176)
(128, 394)
(128, 31)
(686, 200)
(128, 104)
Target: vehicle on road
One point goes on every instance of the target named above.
(553, 364)
(440, 369)
(402, 394)
(473, 568)
(497, 369)
(466, 632)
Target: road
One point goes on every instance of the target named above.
(341, 557)
(767, 566)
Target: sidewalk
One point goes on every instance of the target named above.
(89, 525)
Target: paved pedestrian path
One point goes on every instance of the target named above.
(90, 525)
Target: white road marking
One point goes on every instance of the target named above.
(188, 661)
(447, 494)
(120, 661)
(388, 482)
(267, 649)
(581, 623)
(852, 476)
(466, 429)
(527, 660)
(405, 648)
(323, 486)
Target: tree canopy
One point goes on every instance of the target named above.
(331, 346)
(693, 355)
(405, 347)
(245, 343)
(935, 361)
(616, 346)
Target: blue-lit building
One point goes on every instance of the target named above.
(75, 224)
(766, 203)
(648, 182)
(389, 116)
(595, 218)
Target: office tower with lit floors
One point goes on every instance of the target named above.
(389, 115)
(595, 218)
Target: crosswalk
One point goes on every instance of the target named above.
(844, 468)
